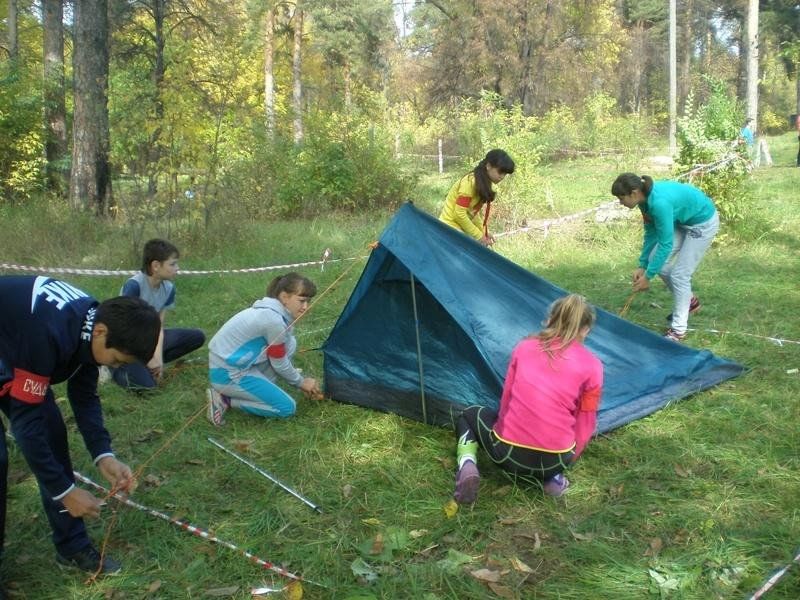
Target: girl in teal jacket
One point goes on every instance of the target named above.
(680, 222)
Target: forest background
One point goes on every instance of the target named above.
(281, 108)
(254, 133)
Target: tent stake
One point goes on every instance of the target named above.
(419, 351)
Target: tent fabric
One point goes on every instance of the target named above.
(428, 286)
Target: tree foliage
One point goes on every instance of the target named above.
(186, 95)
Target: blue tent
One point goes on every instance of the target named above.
(471, 306)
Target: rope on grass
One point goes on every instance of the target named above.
(545, 224)
(193, 529)
(773, 579)
(775, 340)
(119, 272)
(710, 167)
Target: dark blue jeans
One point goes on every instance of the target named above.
(177, 343)
(69, 533)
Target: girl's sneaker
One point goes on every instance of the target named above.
(217, 405)
(673, 335)
(694, 307)
(467, 480)
(556, 485)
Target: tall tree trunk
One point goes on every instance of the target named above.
(154, 142)
(797, 84)
(297, 86)
(269, 75)
(525, 87)
(673, 76)
(348, 94)
(90, 183)
(55, 112)
(13, 43)
(752, 62)
(540, 82)
(687, 43)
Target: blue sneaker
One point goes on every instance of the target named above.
(556, 485)
(467, 480)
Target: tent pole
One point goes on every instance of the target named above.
(419, 352)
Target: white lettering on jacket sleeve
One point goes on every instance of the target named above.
(57, 292)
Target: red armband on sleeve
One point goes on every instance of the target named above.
(590, 400)
(463, 201)
(29, 387)
(276, 350)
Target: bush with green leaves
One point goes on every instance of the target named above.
(21, 143)
(343, 163)
(710, 154)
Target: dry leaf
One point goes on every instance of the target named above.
(582, 537)
(654, 548)
(450, 509)
(508, 521)
(153, 587)
(616, 492)
(486, 575)
(681, 472)
(377, 545)
(502, 491)
(520, 566)
(152, 481)
(428, 549)
(371, 521)
(502, 591)
(242, 445)
(294, 591)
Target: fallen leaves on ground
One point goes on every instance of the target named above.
(486, 575)
(293, 591)
(520, 566)
(450, 509)
(655, 546)
(582, 537)
(242, 445)
(502, 591)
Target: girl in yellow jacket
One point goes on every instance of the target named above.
(462, 207)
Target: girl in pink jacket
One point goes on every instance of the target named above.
(548, 409)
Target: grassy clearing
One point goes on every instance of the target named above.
(696, 501)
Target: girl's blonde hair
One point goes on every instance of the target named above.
(568, 316)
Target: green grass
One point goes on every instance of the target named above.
(695, 501)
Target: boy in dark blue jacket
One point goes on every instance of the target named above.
(52, 332)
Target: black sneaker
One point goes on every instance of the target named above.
(89, 560)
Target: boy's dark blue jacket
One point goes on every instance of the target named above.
(45, 338)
